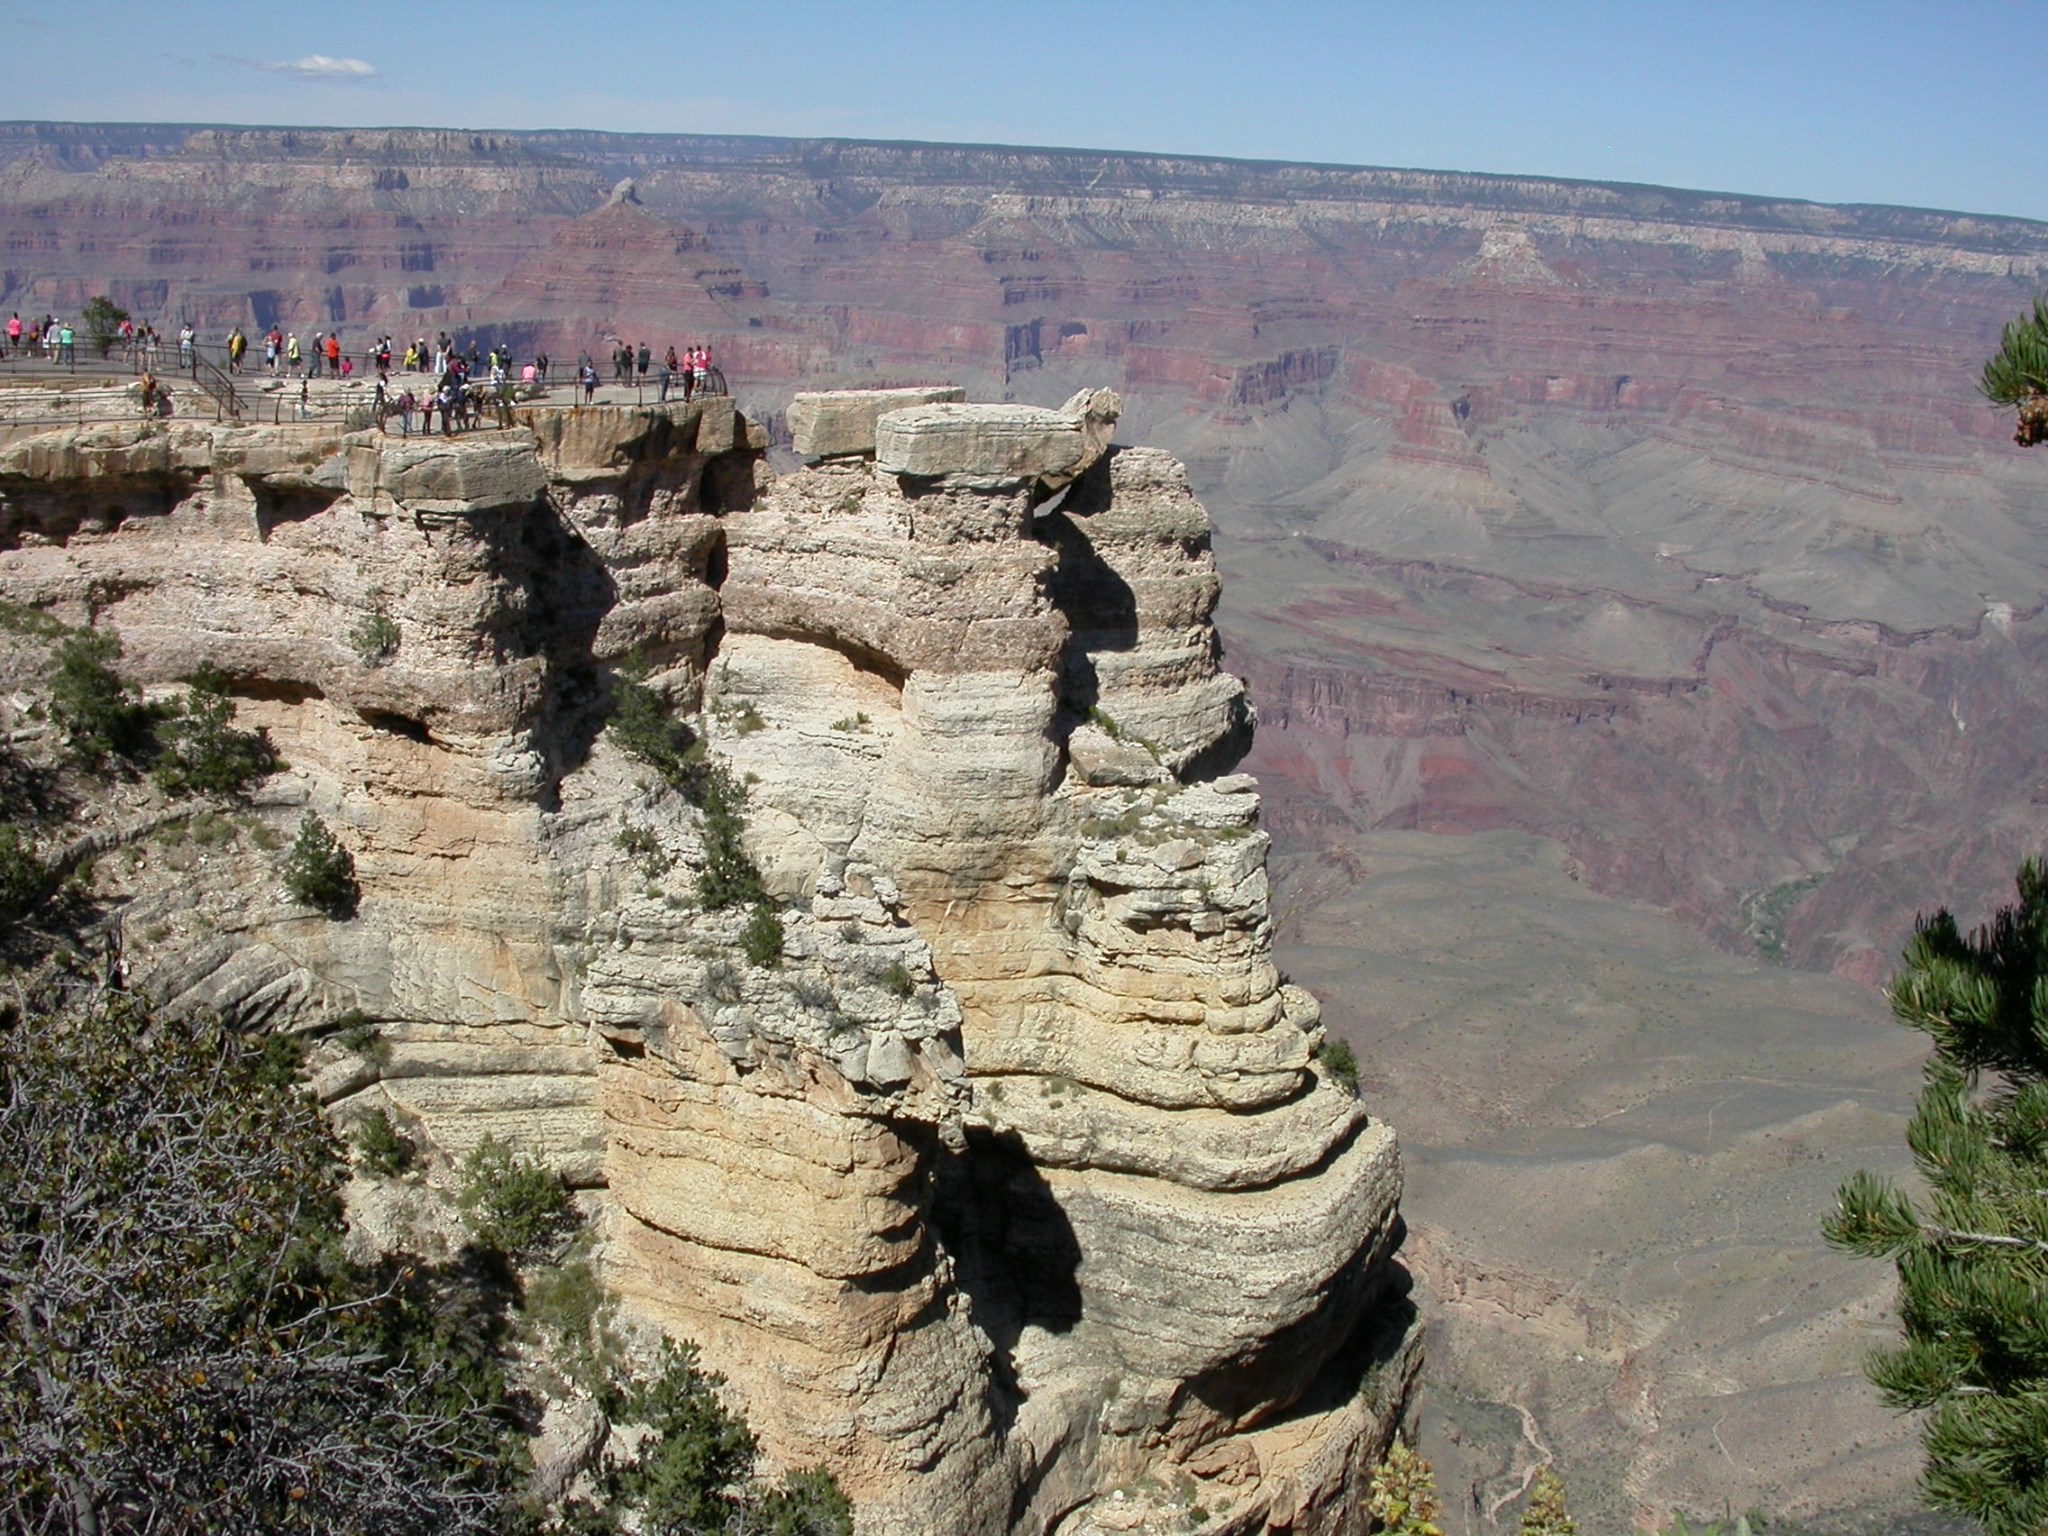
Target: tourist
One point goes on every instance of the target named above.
(186, 336)
(333, 352)
(406, 404)
(148, 392)
(589, 380)
(668, 373)
(294, 359)
(238, 348)
(14, 332)
(540, 367)
(644, 357)
(66, 340)
(305, 397)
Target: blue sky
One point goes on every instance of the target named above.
(1925, 104)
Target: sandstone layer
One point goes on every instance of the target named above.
(1014, 1192)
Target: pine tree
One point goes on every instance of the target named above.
(1973, 1255)
(2017, 373)
(1546, 1514)
(1403, 1497)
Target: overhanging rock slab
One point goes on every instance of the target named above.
(843, 421)
(990, 442)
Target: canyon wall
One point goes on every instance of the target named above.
(1013, 1191)
(1599, 480)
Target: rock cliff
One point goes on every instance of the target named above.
(1013, 1191)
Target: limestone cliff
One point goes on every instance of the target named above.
(1013, 1192)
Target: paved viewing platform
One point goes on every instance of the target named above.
(85, 388)
(38, 395)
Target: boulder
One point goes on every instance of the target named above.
(980, 442)
(843, 420)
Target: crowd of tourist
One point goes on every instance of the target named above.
(461, 386)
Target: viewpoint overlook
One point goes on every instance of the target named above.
(1612, 606)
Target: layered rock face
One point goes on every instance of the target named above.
(1012, 1192)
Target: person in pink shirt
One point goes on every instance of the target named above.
(14, 332)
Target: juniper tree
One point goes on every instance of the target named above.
(183, 1345)
(2017, 373)
(1972, 1253)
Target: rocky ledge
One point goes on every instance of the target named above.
(1014, 1192)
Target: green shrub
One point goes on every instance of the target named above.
(375, 639)
(642, 725)
(386, 1150)
(1340, 1064)
(761, 939)
(896, 979)
(645, 847)
(24, 620)
(808, 1502)
(199, 752)
(100, 714)
(319, 872)
(729, 877)
(512, 1204)
(102, 318)
(26, 882)
(356, 1031)
(569, 1303)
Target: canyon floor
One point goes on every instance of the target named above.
(1619, 1140)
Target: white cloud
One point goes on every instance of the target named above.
(314, 66)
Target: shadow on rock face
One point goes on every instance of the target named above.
(1344, 1349)
(1015, 1252)
(1100, 606)
(568, 593)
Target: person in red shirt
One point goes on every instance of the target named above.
(333, 355)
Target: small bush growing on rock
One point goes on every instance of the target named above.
(569, 1304)
(761, 939)
(199, 752)
(729, 876)
(694, 1470)
(512, 1204)
(375, 639)
(1403, 1498)
(26, 882)
(385, 1150)
(897, 980)
(357, 1032)
(1340, 1064)
(319, 872)
(100, 714)
(642, 725)
(645, 848)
